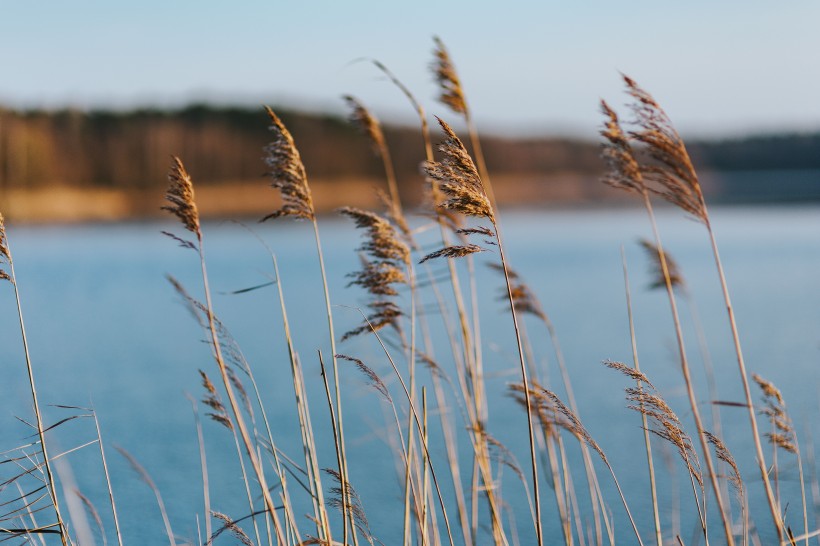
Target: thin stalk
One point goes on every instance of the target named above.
(419, 429)
(308, 446)
(644, 421)
(40, 430)
(761, 461)
(108, 481)
(626, 506)
(526, 383)
(598, 509)
(238, 418)
(203, 463)
(343, 469)
(337, 443)
(707, 456)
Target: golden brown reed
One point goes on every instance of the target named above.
(382, 241)
(783, 434)
(456, 251)
(673, 171)
(4, 250)
(667, 424)
(457, 176)
(181, 196)
(523, 298)
(366, 122)
(624, 172)
(448, 81)
(656, 258)
(288, 173)
(373, 379)
(390, 258)
(229, 525)
(212, 400)
(725, 455)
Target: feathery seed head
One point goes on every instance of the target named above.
(5, 254)
(372, 377)
(658, 279)
(453, 252)
(451, 93)
(366, 123)
(181, 196)
(457, 177)
(288, 172)
(672, 171)
(383, 242)
(624, 171)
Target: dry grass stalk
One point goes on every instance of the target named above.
(181, 196)
(628, 371)
(458, 251)
(378, 277)
(290, 178)
(211, 399)
(452, 95)
(448, 81)
(288, 173)
(457, 177)
(382, 241)
(216, 344)
(373, 379)
(650, 461)
(656, 258)
(725, 455)
(6, 258)
(146, 478)
(627, 173)
(366, 122)
(674, 173)
(571, 423)
(229, 525)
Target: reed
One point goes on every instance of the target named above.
(399, 316)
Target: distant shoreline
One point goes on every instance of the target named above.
(245, 199)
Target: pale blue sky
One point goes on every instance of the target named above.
(719, 68)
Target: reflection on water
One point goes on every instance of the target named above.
(107, 329)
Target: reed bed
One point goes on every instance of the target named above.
(458, 483)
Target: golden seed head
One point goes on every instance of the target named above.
(288, 173)
(181, 196)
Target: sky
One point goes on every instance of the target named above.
(720, 69)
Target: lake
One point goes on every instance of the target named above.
(107, 329)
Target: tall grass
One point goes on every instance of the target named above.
(408, 295)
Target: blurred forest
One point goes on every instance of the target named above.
(76, 165)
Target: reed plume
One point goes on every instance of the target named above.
(457, 176)
(181, 195)
(5, 257)
(288, 173)
(658, 277)
(450, 90)
(672, 173)
(372, 377)
(385, 254)
(642, 178)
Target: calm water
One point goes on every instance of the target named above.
(107, 329)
